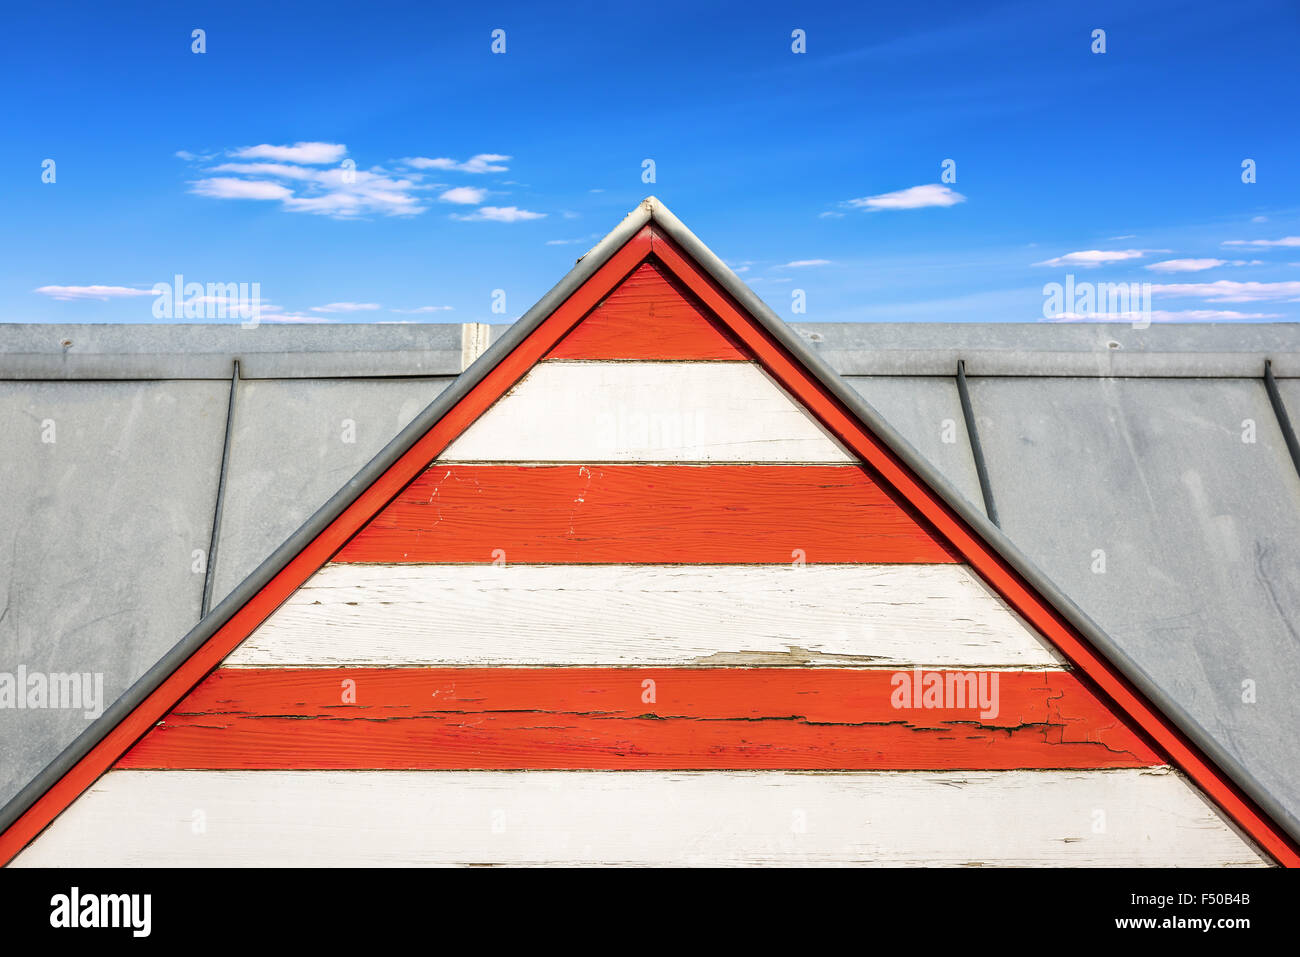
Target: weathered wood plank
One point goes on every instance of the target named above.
(638, 719)
(356, 818)
(648, 412)
(650, 316)
(644, 513)
(845, 615)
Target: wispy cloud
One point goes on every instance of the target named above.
(280, 170)
(1226, 290)
(803, 263)
(482, 163)
(226, 187)
(1186, 265)
(309, 153)
(500, 214)
(1289, 241)
(1197, 265)
(419, 310)
(1088, 258)
(347, 307)
(914, 197)
(284, 174)
(465, 195)
(101, 293)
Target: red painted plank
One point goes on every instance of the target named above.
(601, 718)
(650, 316)
(733, 514)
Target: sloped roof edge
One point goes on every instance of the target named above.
(647, 211)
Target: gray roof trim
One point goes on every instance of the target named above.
(1172, 350)
(381, 350)
(205, 351)
(796, 345)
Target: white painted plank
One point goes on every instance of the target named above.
(646, 411)
(331, 818)
(842, 615)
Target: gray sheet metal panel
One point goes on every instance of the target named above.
(97, 538)
(1054, 349)
(288, 455)
(926, 410)
(1201, 534)
(205, 351)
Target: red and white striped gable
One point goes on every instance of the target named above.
(646, 596)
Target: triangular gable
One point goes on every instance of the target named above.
(694, 318)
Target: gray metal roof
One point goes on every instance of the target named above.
(1097, 438)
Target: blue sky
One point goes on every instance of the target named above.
(818, 171)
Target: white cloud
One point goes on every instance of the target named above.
(465, 195)
(1185, 265)
(1259, 219)
(276, 170)
(1115, 239)
(226, 187)
(914, 197)
(500, 214)
(1088, 258)
(333, 195)
(830, 214)
(482, 163)
(341, 191)
(347, 307)
(801, 263)
(1284, 241)
(310, 153)
(102, 293)
(421, 309)
(1226, 290)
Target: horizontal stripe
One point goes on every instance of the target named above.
(649, 316)
(646, 411)
(637, 720)
(341, 818)
(754, 615)
(724, 514)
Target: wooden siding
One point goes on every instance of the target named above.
(648, 412)
(650, 316)
(1119, 818)
(650, 513)
(513, 615)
